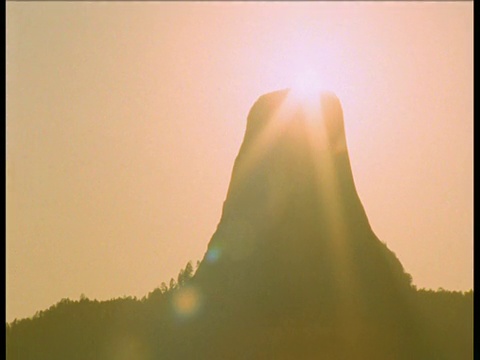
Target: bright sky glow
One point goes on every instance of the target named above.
(307, 84)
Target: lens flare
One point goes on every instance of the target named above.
(186, 301)
(126, 347)
(213, 255)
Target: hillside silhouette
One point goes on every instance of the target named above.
(293, 270)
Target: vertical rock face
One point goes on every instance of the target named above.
(294, 235)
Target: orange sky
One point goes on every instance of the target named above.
(124, 119)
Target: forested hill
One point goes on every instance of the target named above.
(152, 328)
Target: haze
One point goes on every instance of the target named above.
(124, 119)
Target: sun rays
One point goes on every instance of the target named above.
(308, 118)
(296, 107)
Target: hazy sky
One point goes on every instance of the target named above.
(124, 119)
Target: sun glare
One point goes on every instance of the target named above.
(306, 90)
(306, 85)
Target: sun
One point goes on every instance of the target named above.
(305, 91)
(306, 85)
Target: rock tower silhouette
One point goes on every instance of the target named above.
(294, 243)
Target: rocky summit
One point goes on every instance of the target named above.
(294, 242)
